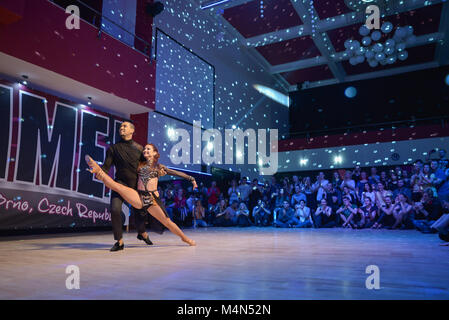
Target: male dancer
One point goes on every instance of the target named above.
(124, 155)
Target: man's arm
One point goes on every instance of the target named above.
(108, 162)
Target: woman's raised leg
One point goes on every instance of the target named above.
(130, 195)
(157, 212)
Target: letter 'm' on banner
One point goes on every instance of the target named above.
(44, 146)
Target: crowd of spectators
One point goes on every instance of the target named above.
(412, 197)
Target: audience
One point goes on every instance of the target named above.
(395, 199)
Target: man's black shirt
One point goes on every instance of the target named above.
(124, 155)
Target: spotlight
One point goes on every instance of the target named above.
(153, 9)
(25, 77)
(447, 80)
(89, 102)
(338, 160)
(303, 162)
(233, 126)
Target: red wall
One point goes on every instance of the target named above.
(41, 38)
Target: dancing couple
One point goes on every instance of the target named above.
(137, 175)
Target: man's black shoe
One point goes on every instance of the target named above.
(146, 240)
(117, 247)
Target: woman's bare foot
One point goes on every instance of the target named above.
(94, 167)
(189, 241)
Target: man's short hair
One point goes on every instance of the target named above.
(347, 198)
(131, 123)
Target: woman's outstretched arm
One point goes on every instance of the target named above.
(178, 174)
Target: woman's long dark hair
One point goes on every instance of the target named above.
(143, 161)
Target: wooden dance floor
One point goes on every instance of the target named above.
(228, 263)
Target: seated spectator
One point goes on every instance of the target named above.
(349, 193)
(335, 204)
(402, 213)
(442, 224)
(427, 211)
(212, 193)
(369, 212)
(261, 214)
(384, 179)
(199, 215)
(287, 186)
(393, 181)
(190, 202)
(181, 212)
(381, 193)
(227, 218)
(360, 187)
(302, 217)
(348, 182)
(281, 198)
(357, 174)
(319, 185)
(401, 188)
(169, 202)
(298, 196)
(243, 219)
(331, 192)
(295, 181)
(373, 178)
(406, 178)
(386, 218)
(215, 210)
(368, 192)
(347, 212)
(308, 191)
(417, 193)
(255, 195)
(325, 217)
(233, 192)
(244, 189)
(285, 215)
(437, 176)
(336, 180)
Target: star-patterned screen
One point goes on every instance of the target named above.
(184, 82)
(123, 14)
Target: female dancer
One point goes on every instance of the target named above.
(146, 198)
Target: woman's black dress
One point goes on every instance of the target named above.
(149, 198)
